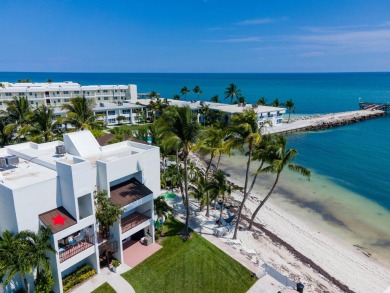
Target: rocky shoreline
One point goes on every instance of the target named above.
(325, 121)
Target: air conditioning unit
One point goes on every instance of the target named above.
(60, 150)
(12, 160)
(3, 163)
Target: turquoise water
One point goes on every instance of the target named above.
(356, 157)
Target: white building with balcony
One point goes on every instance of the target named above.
(111, 101)
(53, 184)
(267, 116)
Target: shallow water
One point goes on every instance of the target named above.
(326, 206)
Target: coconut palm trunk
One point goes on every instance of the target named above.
(179, 176)
(187, 203)
(248, 164)
(207, 193)
(263, 202)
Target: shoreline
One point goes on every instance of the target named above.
(332, 257)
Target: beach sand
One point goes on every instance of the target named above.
(322, 238)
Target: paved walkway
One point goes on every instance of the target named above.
(116, 281)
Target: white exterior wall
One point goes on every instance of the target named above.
(28, 208)
(76, 176)
(8, 220)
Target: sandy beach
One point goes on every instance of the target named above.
(351, 265)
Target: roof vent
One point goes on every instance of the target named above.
(12, 160)
(60, 150)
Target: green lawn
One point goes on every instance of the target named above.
(189, 266)
(105, 288)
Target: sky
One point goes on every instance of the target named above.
(195, 36)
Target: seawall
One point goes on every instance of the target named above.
(324, 121)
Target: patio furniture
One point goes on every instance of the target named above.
(71, 240)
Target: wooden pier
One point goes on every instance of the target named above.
(374, 106)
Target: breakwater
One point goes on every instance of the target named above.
(321, 122)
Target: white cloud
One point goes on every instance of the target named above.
(365, 40)
(266, 20)
(237, 40)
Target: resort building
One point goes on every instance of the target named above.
(112, 101)
(267, 115)
(53, 184)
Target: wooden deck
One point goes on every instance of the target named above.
(128, 192)
(131, 221)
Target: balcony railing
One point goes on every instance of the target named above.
(76, 247)
(132, 220)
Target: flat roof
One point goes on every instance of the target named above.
(57, 219)
(55, 86)
(227, 108)
(127, 192)
(23, 174)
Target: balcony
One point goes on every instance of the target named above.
(132, 220)
(128, 192)
(71, 246)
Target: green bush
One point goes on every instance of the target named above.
(78, 276)
(116, 263)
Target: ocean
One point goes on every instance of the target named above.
(350, 164)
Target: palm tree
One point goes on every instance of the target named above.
(152, 95)
(261, 101)
(204, 110)
(176, 97)
(219, 187)
(275, 103)
(197, 91)
(23, 253)
(281, 158)
(244, 130)
(214, 99)
(161, 207)
(43, 123)
(184, 91)
(198, 189)
(211, 142)
(80, 114)
(178, 130)
(5, 137)
(290, 106)
(19, 116)
(232, 92)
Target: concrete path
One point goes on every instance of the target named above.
(116, 281)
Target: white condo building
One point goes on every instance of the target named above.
(112, 101)
(40, 183)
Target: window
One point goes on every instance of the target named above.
(279, 121)
(58, 93)
(111, 113)
(59, 100)
(31, 102)
(76, 92)
(30, 94)
(1, 103)
(21, 94)
(8, 94)
(99, 98)
(98, 91)
(127, 111)
(111, 120)
(66, 92)
(105, 91)
(66, 100)
(106, 98)
(115, 98)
